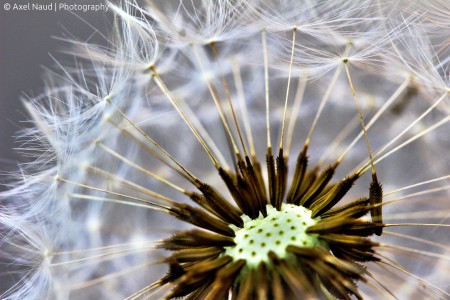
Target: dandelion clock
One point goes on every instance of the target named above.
(239, 150)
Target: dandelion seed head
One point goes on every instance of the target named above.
(273, 232)
(244, 149)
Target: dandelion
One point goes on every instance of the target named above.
(243, 150)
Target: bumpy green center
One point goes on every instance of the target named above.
(272, 233)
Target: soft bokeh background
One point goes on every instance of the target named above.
(26, 40)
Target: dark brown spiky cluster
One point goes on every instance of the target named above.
(199, 268)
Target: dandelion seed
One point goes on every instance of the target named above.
(248, 150)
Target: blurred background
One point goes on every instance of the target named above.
(27, 38)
